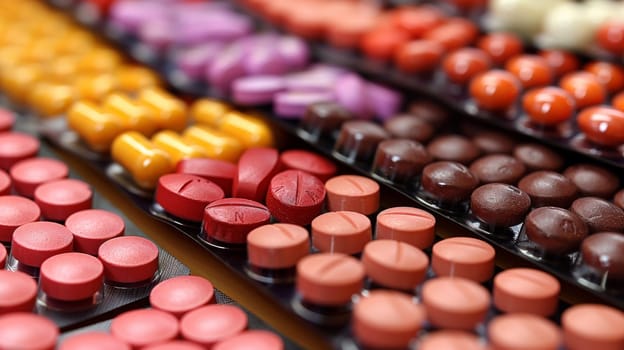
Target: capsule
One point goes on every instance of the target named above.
(251, 131)
(62, 69)
(169, 111)
(97, 128)
(141, 158)
(39, 51)
(217, 144)
(134, 78)
(94, 87)
(51, 99)
(132, 115)
(17, 82)
(178, 149)
(99, 59)
(75, 41)
(209, 112)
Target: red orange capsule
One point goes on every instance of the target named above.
(495, 90)
(462, 65)
(454, 34)
(602, 125)
(562, 62)
(382, 43)
(501, 46)
(419, 56)
(609, 74)
(532, 70)
(610, 36)
(417, 20)
(548, 105)
(584, 87)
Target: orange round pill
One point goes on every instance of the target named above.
(181, 294)
(495, 90)
(329, 279)
(453, 34)
(562, 62)
(386, 320)
(526, 291)
(451, 340)
(593, 326)
(531, 70)
(501, 46)
(341, 232)
(418, 56)
(455, 303)
(406, 224)
(602, 125)
(348, 32)
(584, 87)
(618, 101)
(548, 105)
(609, 74)
(417, 20)
(610, 36)
(394, 264)
(523, 332)
(382, 43)
(277, 246)
(352, 193)
(464, 257)
(463, 64)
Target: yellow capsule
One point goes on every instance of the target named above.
(178, 149)
(169, 110)
(11, 56)
(251, 131)
(97, 128)
(217, 144)
(75, 41)
(17, 82)
(51, 99)
(42, 50)
(141, 158)
(94, 87)
(99, 59)
(132, 115)
(209, 112)
(62, 69)
(135, 78)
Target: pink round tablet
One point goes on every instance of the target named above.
(129, 259)
(35, 242)
(173, 345)
(18, 292)
(61, 198)
(15, 146)
(7, 119)
(212, 323)
(93, 341)
(310, 162)
(92, 227)
(277, 246)
(27, 331)
(406, 224)
(186, 196)
(254, 339)
(30, 173)
(352, 193)
(182, 294)
(144, 327)
(341, 232)
(5, 183)
(71, 276)
(463, 257)
(14, 212)
(218, 171)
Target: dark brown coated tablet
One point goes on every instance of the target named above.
(324, 117)
(498, 168)
(523, 332)
(538, 157)
(358, 139)
(449, 182)
(599, 215)
(593, 180)
(464, 257)
(604, 252)
(493, 142)
(400, 160)
(430, 112)
(408, 126)
(618, 199)
(523, 290)
(499, 205)
(548, 188)
(454, 148)
(555, 230)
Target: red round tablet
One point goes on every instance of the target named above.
(295, 197)
(15, 146)
(585, 88)
(186, 196)
(35, 242)
(71, 276)
(61, 198)
(501, 46)
(173, 345)
(18, 292)
(454, 34)
(254, 339)
(230, 220)
(129, 259)
(562, 62)
(182, 294)
(30, 173)
(277, 246)
(218, 171)
(602, 125)
(14, 212)
(419, 56)
(463, 64)
(495, 90)
(93, 341)
(256, 167)
(92, 227)
(144, 327)
(27, 331)
(5, 183)
(212, 323)
(7, 119)
(548, 105)
(310, 162)
(531, 70)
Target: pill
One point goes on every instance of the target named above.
(464, 64)
(256, 167)
(598, 214)
(593, 181)
(394, 264)
(277, 246)
(256, 339)
(209, 112)
(168, 111)
(309, 162)
(193, 61)
(538, 157)
(143, 327)
(531, 70)
(18, 292)
(419, 56)
(295, 197)
(548, 106)
(256, 90)
(350, 91)
(92, 227)
(495, 90)
(523, 331)
(51, 99)
(93, 340)
(454, 33)
(499, 205)
(30, 173)
(603, 126)
(548, 188)
(328, 279)
(58, 199)
(133, 116)
(5, 183)
(27, 331)
(501, 46)
(133, 78)
(490, 141)
(561, 61)
(3, 256)
(610, 75)
(174, 345)
(353, 193)
(216, 144)
(523, 290)
(498, 168)
(341, 231)
(400, 160)
(35, 242)
(185, 196)
(231, 219)
(250, 130)
(129, 259)
(451, 340)
(382, 43)
(455, 302)
(16, 146)
(449, 183)
(141, 158)
(323, 119)
(172, 143)
(227, 67)
(16, 211)
(7, 119)
(94, 87)
(293, 104)
(16, 82)
(386, 319)
(181, 294)
(217, 171)
(406, 224)
(417, 20)
(99, 59)
(93, 125)
(463, 257)
(71, 276)
(212, 323)
(584, 87)
(358, 140)
(455, 148)
(593, 326)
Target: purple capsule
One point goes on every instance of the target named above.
(212, 27)
(383, 101)
(131, 15)
(157, 34)
(194, 61)
(292, 104)
(312, 80)
(226, 67)
(293, 51)
(351, 92)
(264, 59)
(257, 90)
